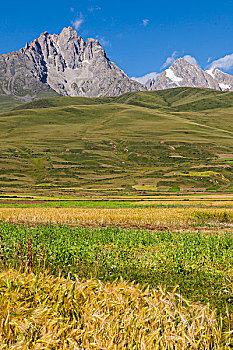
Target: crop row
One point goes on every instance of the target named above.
(154, 217)
(199, 264)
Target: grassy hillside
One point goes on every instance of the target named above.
(8, 102)
(171, 140)
(180, 99)
(62, 102)
(174, 99)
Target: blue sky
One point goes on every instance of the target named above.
(139, 36)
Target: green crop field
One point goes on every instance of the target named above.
(199, 264)
(161, 141)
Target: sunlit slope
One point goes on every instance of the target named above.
(62, 102)
(105, 122)
(170, 98)
(8, 103)
(114, 145)
(180, 99)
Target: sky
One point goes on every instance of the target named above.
(139, 36)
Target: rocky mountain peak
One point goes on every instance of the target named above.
(92, 40)
(182, 74)
(69, 30)
(66, 64)
(225, 81)
(181, 63)
(68, 34)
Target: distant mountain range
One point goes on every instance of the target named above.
(184, 74)
(66, 65)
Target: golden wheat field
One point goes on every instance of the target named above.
(44, 312)
(159, 217)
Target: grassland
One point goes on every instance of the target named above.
(177, 140)
(8, 102)
(116, 219)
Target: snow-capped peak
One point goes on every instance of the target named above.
(210, 72)
(170, 74)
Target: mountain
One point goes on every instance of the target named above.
(64, 64)
(145, 78)
(23, 75)
(225, 81)
(182, 74)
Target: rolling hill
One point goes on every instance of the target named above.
(169, 140)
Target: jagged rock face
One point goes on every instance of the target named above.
(19, 76)
(66, 64)
(225, 81)
(182, 74)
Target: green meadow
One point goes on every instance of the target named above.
(177, 140)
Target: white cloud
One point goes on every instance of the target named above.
(95, 8)
(190, 59)
(78, 21)
(71, 9)
(226, 63)
(145, 22)
(145, 78)
(103, 41)
(210, 59)
(170, 60)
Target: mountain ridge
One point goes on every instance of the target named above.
(63, 64)
(66, 65)
(185, 74)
